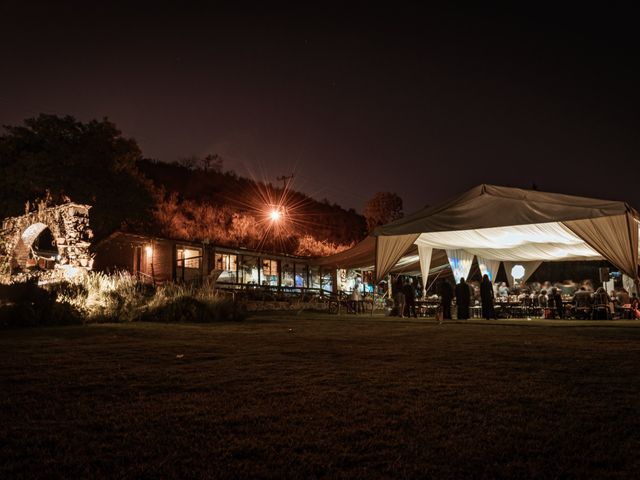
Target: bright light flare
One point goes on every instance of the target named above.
(275, 215)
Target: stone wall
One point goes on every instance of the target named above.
(69, 226)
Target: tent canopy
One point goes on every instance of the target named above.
(363, 256)
(502, 223)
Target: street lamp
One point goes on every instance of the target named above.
(275, 215)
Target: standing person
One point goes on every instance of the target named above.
(446, 295)
(601, 304)
(463, 296)
(555, 300)
(486, 297)
(410, 298)
(419, 290)
(398, 295)
(356, 296)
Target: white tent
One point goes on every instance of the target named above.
(510, 224)
(362, 256)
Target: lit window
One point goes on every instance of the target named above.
(225, 261)
(189, 257)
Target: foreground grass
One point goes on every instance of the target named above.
(320, 396)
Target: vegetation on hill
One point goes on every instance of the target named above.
(196, 202)
(60, 158)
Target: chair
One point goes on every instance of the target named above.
(583, 313)
(600, 311)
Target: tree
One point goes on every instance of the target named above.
(383, 208)
(86, 162)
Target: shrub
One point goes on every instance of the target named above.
(121, 297)
(26, 304)
(188, 303)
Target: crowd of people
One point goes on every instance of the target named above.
(550, 301)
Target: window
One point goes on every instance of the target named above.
(226, 261)
(249, 270)
(327, 281)
(189, 257)
(314, 274)
(270, 272)
(287, 274)
(301, 275)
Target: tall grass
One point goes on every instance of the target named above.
(120, 297)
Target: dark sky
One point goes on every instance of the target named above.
(423, 102)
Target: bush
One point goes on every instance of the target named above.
(120, 297)
(26, 305)
(189, 309)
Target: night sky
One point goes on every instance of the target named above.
(426, 103)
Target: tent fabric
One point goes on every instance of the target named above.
(511, 224)
(389, 250)
(614, 237)
(546, 241)
(529, 269)
(460, 261)
(488, 267)
(410, 264)
(629, 284)
(425, 254)
(360, 255)
(487, 206)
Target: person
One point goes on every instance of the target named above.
(533, 298)
(523, 296)
(635, 303)
(446, 295)
(399, 296)
(463, 296)
(419, 290)
(356, 296)
(555, 301)
(582, 302)
(486, 297)
(601, 303)
(543, 299)
(635, 306)
(503, 291)
(410, 298)
(623, 297)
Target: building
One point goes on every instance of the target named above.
(159, 260)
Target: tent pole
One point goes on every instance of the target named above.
(431, 284)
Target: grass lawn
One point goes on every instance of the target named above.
(321, 396)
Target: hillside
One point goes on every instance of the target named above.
(196, 202)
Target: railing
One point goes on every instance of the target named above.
(271, 289)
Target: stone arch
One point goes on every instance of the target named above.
(69, 227)
(25, 245)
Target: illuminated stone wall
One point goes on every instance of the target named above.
(69, 226)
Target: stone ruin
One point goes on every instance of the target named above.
(67, 233)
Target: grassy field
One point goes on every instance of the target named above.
(321, 396)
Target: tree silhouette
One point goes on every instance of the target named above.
(85, 162)
(383, 208)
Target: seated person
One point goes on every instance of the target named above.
(582, 302)
(601, 303)
(582, 298)
(543, 300)
(623, 297)
(635, 302)
(503, 291)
